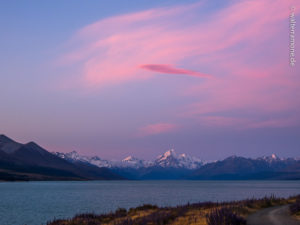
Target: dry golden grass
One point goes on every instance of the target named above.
(132, 215)
(192, 217)
(194, 214)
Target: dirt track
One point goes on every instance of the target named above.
(278, 215)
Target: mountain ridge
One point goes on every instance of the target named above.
(166, 160)
(169, 165)
(32, 162)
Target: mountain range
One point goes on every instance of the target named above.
(172, 166)
(167, 160)
(32, 162)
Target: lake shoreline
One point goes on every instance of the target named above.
(197, 213)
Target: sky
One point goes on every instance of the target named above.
(116, 78)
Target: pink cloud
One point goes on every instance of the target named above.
(161, 68)
(157, 128)
(268, 92)
(242, 45)
(110, 51)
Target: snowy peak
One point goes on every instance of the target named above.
(271, 159)
(74, 156)
(189, 162)
(170, 154)
(170, 159)
(133, 162)
(130, 159)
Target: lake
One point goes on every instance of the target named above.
(35, 203)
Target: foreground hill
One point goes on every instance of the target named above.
(32, 162)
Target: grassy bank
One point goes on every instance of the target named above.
(206, 213)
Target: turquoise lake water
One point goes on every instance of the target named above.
(35, 203)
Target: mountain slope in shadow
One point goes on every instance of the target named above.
(240, 168)
(32, 162)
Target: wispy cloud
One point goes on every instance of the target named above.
(157, 128)
(161, 68)
(241, 45)
(110, 51)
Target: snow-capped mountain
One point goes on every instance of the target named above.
(171, 159)
(270, 159)
(190, 162)
(274, 159)
(134, 162)
(94, 160)
(167, 160)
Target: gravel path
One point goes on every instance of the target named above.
(278, 215)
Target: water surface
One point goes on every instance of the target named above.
(35, 203)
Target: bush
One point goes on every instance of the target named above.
(120, 212)
(224, 216)
(143, 207)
